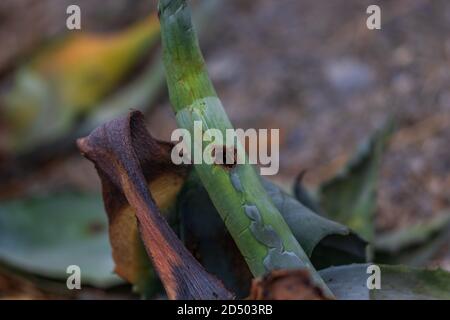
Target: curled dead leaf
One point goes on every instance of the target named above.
(129, 161)
(286, 285)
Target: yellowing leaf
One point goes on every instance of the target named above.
(69, 78)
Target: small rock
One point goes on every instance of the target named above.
(348, 75)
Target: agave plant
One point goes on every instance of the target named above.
(209, 231)
(260, 224)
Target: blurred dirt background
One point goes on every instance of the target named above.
(308, 67)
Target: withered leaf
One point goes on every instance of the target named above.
(128, 160)
(286, 285)
(68, 79)
(350, 196)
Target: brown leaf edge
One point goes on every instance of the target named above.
(126, 156)
(286, 285)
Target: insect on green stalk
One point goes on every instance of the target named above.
(257, 227)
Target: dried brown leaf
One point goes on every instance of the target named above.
(286, 285)
(128, 161)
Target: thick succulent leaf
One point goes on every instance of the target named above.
(350, 197)
(260, 232)
(326, 242)
(305, 196)
(45, 235)
(395, 241)
(415, 246)
(397, 283)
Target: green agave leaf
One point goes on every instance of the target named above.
(397, 282)
(44, 235)
(350, 197)
(305, 196)
(258, 228)
(326, 242)
(394, 242)
(414, 246)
